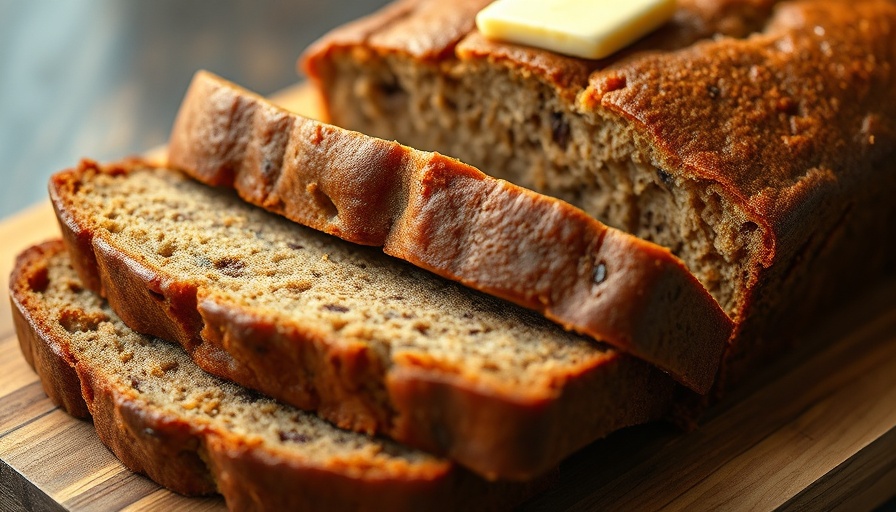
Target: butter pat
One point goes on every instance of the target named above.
(591, 29)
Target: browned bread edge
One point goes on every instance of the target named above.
(452, 219)
(529, 429)
(197, 461)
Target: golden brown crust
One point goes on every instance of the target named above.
(49, 359)
(785, 110)
(346, 384)
(600, 399)
(194, 459)
(426, 30)
(83, 391)
(430, 30)
(454, 220)
(249, 481)
(811, 95)
(812, 92)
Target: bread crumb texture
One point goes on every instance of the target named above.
(159, 376)
(353, 294)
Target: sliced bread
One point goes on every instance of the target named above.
(452, 219)
(197, 434)
(372, 343)
(755, 139)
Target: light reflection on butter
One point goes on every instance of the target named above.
(590, 29)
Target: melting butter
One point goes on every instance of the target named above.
(591, 29)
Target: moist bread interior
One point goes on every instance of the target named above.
(254, 258)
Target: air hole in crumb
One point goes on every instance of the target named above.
(39, 280)
(293, 437)
(390, 92)
(336, 308)
(248, 395)
(748, 227)
(294, 246)
(665, 177)
(323, 200)
(600, 273)
(135, 383)
(560, 130)
(78, 320)
(390, 87)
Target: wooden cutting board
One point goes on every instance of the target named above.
(815, 431)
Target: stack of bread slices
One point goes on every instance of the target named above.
(296, 315)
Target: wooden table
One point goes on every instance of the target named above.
(817, 430)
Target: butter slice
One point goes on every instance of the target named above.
(591, 29)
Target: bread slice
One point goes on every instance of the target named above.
(754, 139)
(452, 219)
(197, 434)
(372, 343)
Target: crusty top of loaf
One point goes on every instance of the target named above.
(774, 103)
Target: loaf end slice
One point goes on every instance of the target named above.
(196, 434)
(370, 342)
(452, 219)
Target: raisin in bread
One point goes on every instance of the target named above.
(450, 218)
(753, 138)
(372, 343)
(197, 434)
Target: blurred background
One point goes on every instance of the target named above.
(103, 78)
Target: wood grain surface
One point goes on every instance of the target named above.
(816, 430)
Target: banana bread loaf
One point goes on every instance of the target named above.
(450, 218)
(371, 343)
(196, 434)
(753, 138)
